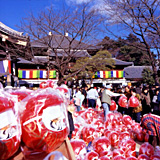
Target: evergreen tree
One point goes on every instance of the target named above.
(148, 77)
(98, 62)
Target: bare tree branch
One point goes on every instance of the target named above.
(141, 17)
(49, 29)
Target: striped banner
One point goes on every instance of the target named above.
(109, 74)
(26, 74)
(5, 66)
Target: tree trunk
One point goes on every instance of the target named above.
(155, 74)
(153, 63)
(60, 78)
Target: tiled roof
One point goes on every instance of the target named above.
(120, 62)
(133, 72)
(7, 30)
(40, 59)
(75, 53)
(61, 42)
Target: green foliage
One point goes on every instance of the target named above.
(129, 49)
(147, 75)
(133, 54)
(86, 67)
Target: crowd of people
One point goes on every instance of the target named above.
(147, 113)
(100, 97)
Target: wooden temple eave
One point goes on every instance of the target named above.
(13, 40)
(8, 34)
(11, 32)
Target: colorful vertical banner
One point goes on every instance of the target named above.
(45, 74)
(114, 74)
(106, 74)
(101, 74)
(35, 74)
(31, 74)
(109, 74)
(98, 74)
(120, 74)
(27, 74)
(38, 73)
(52, 74)
(20, 73)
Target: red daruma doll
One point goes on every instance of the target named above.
(10, 130)
(133, 101)
(44, 121)
(113, 106)
(123, 101)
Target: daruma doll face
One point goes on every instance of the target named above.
(45, 122)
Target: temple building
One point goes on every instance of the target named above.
(30, 61)
(13, 44)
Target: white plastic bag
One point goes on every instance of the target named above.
(99, 102)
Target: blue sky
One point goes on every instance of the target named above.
(12, 11)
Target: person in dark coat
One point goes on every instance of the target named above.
(146, 101)
(84, 92)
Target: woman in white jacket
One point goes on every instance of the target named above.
(78, 99)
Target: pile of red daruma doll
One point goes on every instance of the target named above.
(114, 139)
(37, 122)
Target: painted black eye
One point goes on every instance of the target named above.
(56, 125)
(4, 131)
(51, 124)
(4, 134)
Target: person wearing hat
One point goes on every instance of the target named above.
(107, 94)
